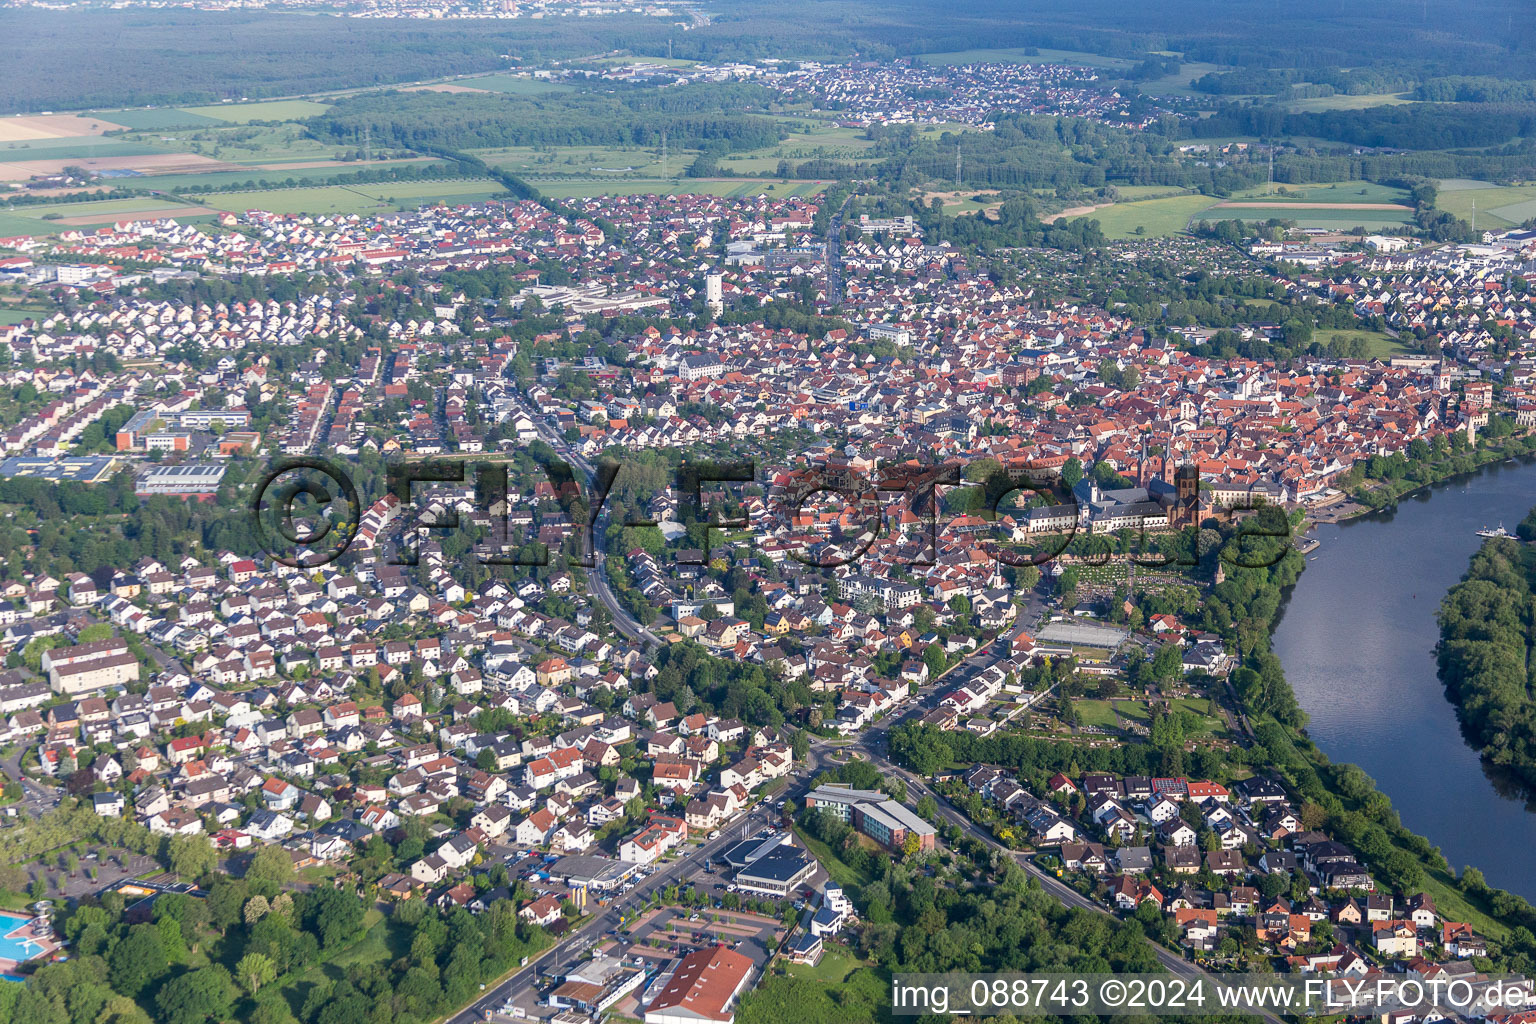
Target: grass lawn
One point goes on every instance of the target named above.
(1378, 344)
(1155, 216)
(11, 315)
(837, 962)
(271, 110)
(842, 873)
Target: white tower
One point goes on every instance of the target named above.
(714, 293)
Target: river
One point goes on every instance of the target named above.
(1357, 638)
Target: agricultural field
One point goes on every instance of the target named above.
(679, 186)
(362, 199)
(510, 84)
(32, 127)
(272, 110)
(248, 177)
(54, 218)
(1497, 206)
(1341, 101)
(74, 147)
(1154, 217)
(585, 161)
(1326, 193)
(1327, 218)
(243, 143)
(156, 118)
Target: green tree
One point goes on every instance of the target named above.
(137, 961)
(196, 996)
(270, 869)
(255, 970)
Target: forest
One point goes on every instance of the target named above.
(1487, 625)
(203, 56)
(701, 116)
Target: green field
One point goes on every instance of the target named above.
(1340, 101)
(512, 85)
(235, 180)
(30, 219)
(157, 118)
(1325, 192)
(272, 110)
(1155, 216)
(73, 147)
(1496, 206)
(584, 161)
(677, 186)
(283, 143)
(1326, 218)
(319, 199)
(362, 199)
(1378, 344)
(9, 315)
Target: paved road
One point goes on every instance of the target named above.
(834, 263)
(691, 863)
(873, 744)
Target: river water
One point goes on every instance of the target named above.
(1357, 640)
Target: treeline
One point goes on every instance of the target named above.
(1319, 81)
(206, 56)
(1487, 626)
(1025, 151)
(1475, 89)
(704, 116)
(249, 952)
(371, 176)
(1420, 126)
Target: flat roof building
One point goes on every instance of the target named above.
(186, 481)
(873, 814)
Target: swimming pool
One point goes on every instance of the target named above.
(13, 946)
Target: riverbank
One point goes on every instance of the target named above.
(1356, 637)
(1485, 636)
(1387, 493)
